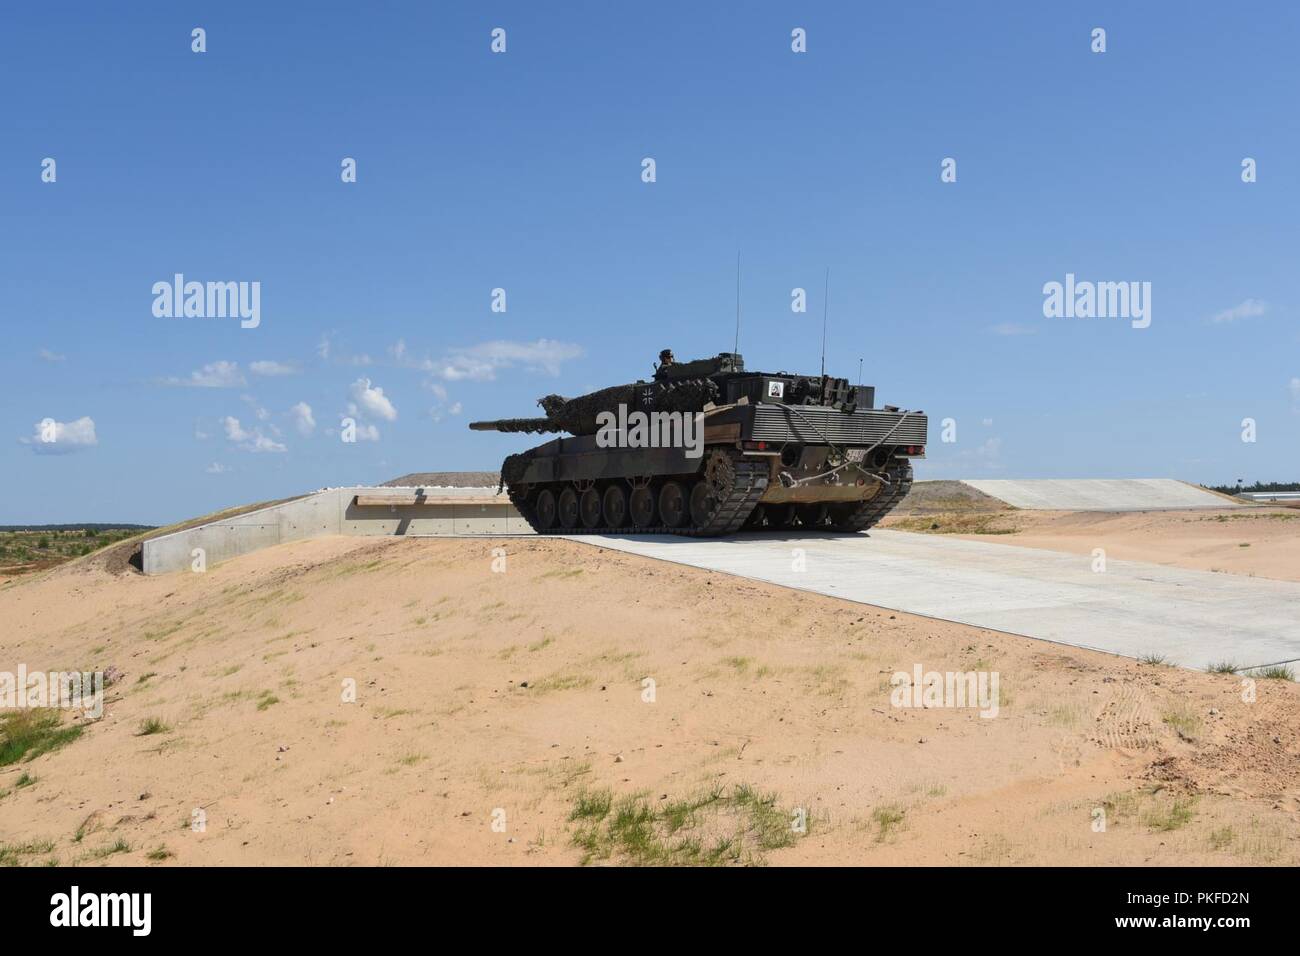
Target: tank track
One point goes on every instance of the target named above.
(869, 512)
(749, 481)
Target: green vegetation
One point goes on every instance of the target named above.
(11, 854)
(118, 846)
(1153, 808)
(1259, 486)
(150, 726)
(1273, 672)
(33, 548)
(561, 681)
(714, 827)
(1186, 722)
(887, 818)
(1222, 838)
(956, 524)
(30, 733)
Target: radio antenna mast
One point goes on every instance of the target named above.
(826, 291)
(736, 347)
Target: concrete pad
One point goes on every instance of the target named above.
(1101, 494)
(1193, 618)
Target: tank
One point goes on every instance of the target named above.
(707, 448)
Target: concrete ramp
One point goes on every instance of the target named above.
(1101, 494)
(1191, 618)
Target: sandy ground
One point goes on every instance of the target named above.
(516, 698)
(1262, 542)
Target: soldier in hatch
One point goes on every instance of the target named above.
(665, 359)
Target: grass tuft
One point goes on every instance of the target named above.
(150, 726)
(29, 733)
(714, 827)
(1273, 672)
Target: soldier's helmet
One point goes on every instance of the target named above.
(666, 357)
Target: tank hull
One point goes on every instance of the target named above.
(747, 465)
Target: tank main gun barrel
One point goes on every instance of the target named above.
(536, 426)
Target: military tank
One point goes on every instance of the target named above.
(708, 448)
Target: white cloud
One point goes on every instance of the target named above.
(253, 440)
(269, 368)
(1249, 309)
(438, 412)
(323, 347)
(1294, 387)
(402, 358)
(213, 375)
(50, 437)
(49, 356)
(481, 362)
(1012, 328)
(372, 400)
(303, 419)
(216, 468)
(258, 411)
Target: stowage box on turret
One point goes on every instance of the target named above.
(707, 448)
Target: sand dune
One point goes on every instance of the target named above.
(501, 717)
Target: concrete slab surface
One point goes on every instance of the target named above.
(1101, 494)
(1193, 618)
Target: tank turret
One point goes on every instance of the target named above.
(684, 387)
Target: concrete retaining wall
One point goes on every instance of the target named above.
(449, 511)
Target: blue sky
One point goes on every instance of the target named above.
(522, 171)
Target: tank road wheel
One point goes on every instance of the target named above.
(589, 509)
(641, 505)
(545, 510)
(614, 506)
(567, 510)
(672, 504)
(702, 504)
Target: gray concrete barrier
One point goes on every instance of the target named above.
(348, 511)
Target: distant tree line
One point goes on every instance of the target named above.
(76, 527)
(1260, 486)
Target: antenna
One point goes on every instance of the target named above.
(859, 373)
(826, 292)
(736, 347)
